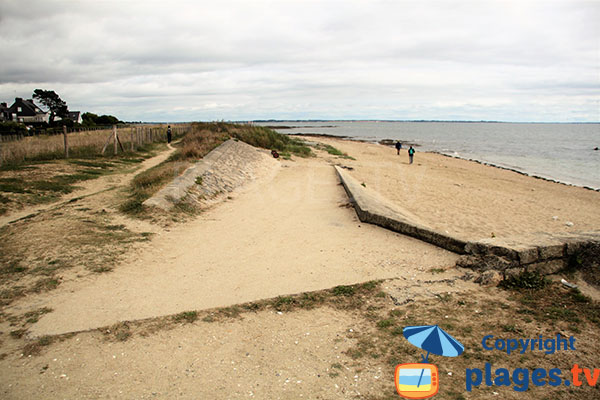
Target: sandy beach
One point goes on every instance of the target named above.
(467, 199)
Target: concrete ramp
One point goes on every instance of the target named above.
(372, 208)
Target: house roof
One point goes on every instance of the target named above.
(28, 107)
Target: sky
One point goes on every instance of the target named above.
(520, 61)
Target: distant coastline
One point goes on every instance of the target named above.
(263, 121)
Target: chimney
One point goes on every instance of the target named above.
(3, 104)
(18, 99)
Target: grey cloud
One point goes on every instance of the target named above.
(235, 55)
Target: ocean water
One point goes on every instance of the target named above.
(561, 152)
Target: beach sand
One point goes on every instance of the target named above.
(466, 199)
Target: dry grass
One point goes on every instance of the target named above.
(86, 144)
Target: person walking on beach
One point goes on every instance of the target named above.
(169, 134)
(411, 153)
(398, 147)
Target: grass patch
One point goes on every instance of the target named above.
(35, 348)
(437, 270)
(385, 323)
(45, 284)
(525, 280)
(33, 316)
(331, 150)
(18, 333)
(343, 290)
(119, 332)
(265, 138)
(186, 316)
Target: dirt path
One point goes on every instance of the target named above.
(289, 233)
(89, 188)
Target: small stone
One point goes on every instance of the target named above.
(569, 223)
(489, 278)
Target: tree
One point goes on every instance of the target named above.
(89, 118)
(107, 120)
(56, 106)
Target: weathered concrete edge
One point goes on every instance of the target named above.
(179, 187)
(370, 211)
(541, 247)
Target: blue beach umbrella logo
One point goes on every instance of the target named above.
(433, 339)
(420, 380)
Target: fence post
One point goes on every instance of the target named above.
(115, 137)
(66, 141)
(132, 138)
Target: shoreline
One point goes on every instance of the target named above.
(389, 143)
(489, 164)
(469, 200)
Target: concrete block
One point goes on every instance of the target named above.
(551, 251)
(513, 272)
(527, 255)
(547, 267)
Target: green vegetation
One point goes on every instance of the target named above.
(525, 280)
(266, 138)
(26, 183)
(91, 119)
(332, 150)
(12, 128)
(186, 316)
(343, 291)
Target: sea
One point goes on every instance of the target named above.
(563, 152)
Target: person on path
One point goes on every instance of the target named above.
(169, 134)
(411, 153)
(398, 147)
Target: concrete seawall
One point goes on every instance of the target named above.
(226, 167)
(541, 252)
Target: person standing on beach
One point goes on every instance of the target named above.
(411, 153)
(169, 134)
(398, 147)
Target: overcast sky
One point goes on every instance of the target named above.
(240, 60)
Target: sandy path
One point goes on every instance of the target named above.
(469, 200)
(285, 235)
(89, 188)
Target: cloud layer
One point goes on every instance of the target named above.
(187, 60)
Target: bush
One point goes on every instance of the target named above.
(12, 128)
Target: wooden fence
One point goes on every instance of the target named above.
(84, 142)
